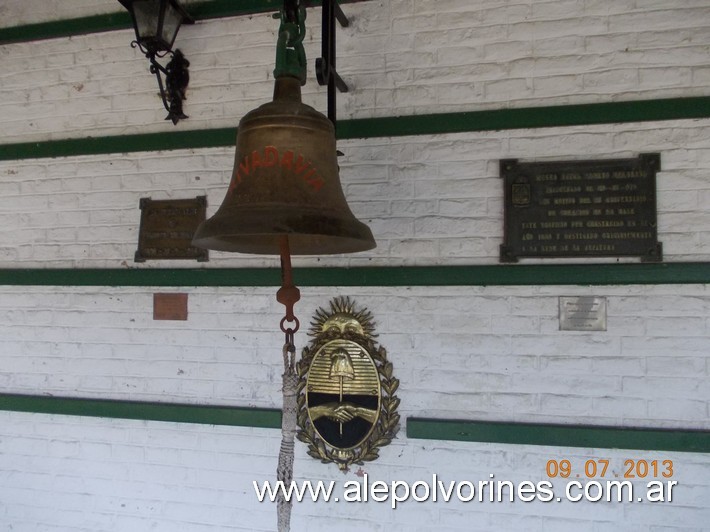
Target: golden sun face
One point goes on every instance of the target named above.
(343, 318)
(342, 323)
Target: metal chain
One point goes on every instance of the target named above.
(288, 295)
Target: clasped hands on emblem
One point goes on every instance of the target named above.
(342, 412)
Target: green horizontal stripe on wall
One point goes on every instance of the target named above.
(494, 275)
(417, 428)
(431, 124)
(178, 413)
(121, 20)
(65, 28)
(697, 441)
(528, 118)
(174, 140)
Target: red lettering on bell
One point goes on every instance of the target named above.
(316, 184)
(301, 164)
(271, 157)
(287, 161)
(243, 167)
(255, 160)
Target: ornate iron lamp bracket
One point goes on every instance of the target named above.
(177, 77)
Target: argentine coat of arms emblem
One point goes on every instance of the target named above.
(347, 407)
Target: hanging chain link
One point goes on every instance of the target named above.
(288, 295)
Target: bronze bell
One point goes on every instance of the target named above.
(285, 183)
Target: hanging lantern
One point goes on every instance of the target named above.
(156, 23)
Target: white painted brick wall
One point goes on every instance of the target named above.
(396, 56)
(488, 353)
(20, 12)
(479, 353)
(489, 345)
(429, 200)
(92, 475)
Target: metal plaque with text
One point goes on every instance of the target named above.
(167, 228)
(583, 313)
(597, 208)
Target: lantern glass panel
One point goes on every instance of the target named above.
(147, 14)
(171, 24)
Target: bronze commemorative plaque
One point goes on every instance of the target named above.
(170, 307)
(597, 208)
(167, 228)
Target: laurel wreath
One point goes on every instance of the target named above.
(384, 429)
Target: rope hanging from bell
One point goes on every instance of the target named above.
(287, 295)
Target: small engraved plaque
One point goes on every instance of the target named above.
(167, 228)
(583, 313)
(594, 208)
(170, 307)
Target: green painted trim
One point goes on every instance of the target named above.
(493, 275)
(695, 441)
(529, 117)
(178, 413)
(417, 428)
(174, 140)
(65, 28)
(533, 117)
(121, 20)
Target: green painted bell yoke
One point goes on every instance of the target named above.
(290, 54)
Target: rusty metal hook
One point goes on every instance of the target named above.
(288, 295)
